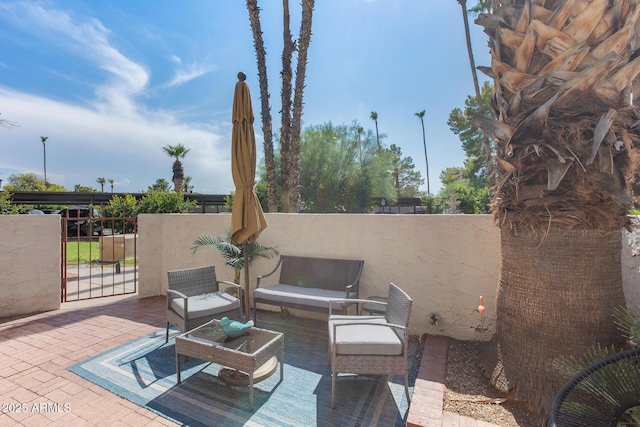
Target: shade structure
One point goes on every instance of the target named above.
(247, 217)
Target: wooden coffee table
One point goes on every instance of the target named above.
(246, 353)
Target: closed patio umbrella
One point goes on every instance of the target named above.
(247, 218)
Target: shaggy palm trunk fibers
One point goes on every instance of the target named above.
(554, 298)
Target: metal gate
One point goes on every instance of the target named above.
(99, 254)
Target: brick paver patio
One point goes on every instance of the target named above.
(37, 389)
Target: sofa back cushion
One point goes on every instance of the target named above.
(324, 273)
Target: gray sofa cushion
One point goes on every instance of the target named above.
(364, 337)
(314, 297)
(206, 304)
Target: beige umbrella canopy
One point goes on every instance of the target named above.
(247, 218)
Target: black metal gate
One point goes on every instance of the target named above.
(99, 254)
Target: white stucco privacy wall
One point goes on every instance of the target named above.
(445, 262)
(29, 264)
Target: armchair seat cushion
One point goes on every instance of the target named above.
(365, 337)
(315, 297)
(206, 305)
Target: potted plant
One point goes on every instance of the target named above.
(232, 251)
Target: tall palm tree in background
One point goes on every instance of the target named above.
(285, 111)
(186, 184)
(420, 115)
(304, 39)
(265, 108)
(291, 111)
(44, 147)
(374, 117)
(566, 146)
(101, 181)
(474, 74)
(178, 152)
(111, 182)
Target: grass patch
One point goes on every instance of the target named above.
(87, 252)
(82, 252)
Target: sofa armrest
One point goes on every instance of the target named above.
(268, 274)
(354, 286)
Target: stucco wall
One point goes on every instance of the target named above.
(445, 262)
(29, 264)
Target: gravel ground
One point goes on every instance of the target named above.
(470, 394)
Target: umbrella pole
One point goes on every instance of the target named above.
(245, 251)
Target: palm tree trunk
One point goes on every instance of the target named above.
(265, 109)
(424, 142)
(566, 145)
(296, 123)
(377, 135)
(285, 129)
(474, 74)
(177, 185)
(546, 310)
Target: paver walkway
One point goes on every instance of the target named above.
(427, 401)
(36, 389)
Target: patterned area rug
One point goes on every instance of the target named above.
(144, 372)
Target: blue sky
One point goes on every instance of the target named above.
(112, 82)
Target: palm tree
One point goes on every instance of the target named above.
(160, 186)
(265, 109)
(291, 111)
(101, 181)
(374, 117)
(232, 251)
(177, 151)
(566, 145)
(186, 184)
(285, 111)
(474, 74)
(44, 147)
(304, 40)
(111, 182)
(420, 115)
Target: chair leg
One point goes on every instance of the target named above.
(166, 340)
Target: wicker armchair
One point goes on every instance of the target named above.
(375, 345)
(599, 395)
(194, 298)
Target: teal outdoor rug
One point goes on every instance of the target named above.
(143, 371)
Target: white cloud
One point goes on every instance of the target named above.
(190, 72)
(85, 144)
(113, 136)
(88, 39)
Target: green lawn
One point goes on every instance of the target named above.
(86, 252)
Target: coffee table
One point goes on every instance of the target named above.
(246, 353)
